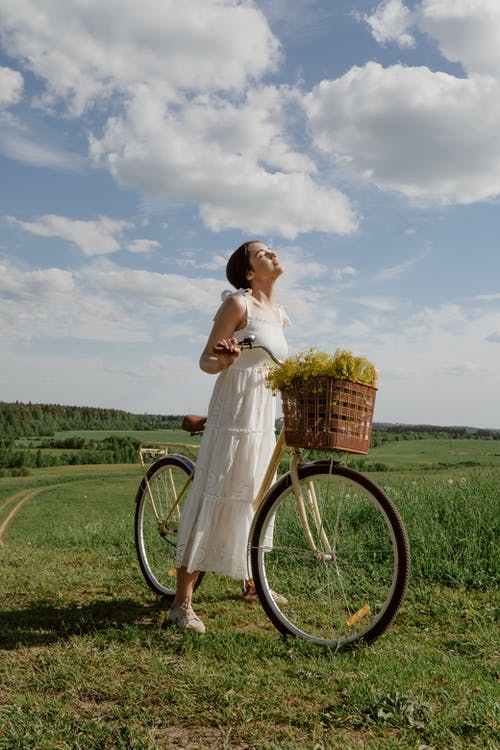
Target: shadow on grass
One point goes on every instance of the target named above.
(43, 623)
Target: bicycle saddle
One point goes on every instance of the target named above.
(193, 423)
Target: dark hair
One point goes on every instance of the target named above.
(238, 266)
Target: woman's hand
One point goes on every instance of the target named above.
(227, 352)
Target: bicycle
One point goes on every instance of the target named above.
(324, 536)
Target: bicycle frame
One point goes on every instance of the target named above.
(158, 450)
(280, 450)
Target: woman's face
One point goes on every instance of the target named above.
(263, 261)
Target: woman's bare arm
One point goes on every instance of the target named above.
(222, 348)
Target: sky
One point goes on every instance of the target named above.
(141, 143)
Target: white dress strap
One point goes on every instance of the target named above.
(230, 293)
(285, 320)
(242, 292)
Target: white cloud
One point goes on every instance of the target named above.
(192, 155)
(300, 267)
(143, 246)
(11, 87)
(391, 23)
(163, 290)
(277, 203)
(306, 290)
(467, 32)
(186, 125)
(435, 362)
(494, 338)
(412, 130)
(87, 51)
(18, 146)
(485, 297)
(104, 302)
(53, 304)
(399, 269)
(448, 332)
(39, 284)
(448, 316)
(92, 237)
(254, 127)
(383, 304)
(216, 263)
(346, 271)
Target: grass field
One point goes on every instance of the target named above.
(147, 436)
(86, 665)
(427, 453)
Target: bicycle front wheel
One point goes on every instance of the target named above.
(159, 502)
(337, 556)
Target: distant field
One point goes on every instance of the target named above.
(149, 436)
(429, 452)
(174, 437)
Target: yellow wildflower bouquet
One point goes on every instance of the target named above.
(328, 399)
(313, 364)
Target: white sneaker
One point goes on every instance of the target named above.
(184, 617)
(278, 598)
(250, 592)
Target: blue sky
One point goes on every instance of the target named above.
(141, 143)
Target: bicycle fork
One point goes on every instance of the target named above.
(312, 500)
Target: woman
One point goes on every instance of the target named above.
(239, 434)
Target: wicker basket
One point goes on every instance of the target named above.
(328, 413)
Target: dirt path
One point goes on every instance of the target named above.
(21, 498)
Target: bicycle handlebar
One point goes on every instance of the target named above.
(248, 343)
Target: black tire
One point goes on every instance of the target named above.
(169, 480)
(352, 588)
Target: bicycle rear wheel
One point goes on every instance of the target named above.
(157, 516)
(347, 582)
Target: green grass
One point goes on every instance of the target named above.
(432, 452)
(85, 663)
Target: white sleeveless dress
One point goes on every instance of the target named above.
(237, 444)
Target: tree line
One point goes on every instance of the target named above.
(383, 432)
(71, 452)
(19, 419)
(41, 421)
